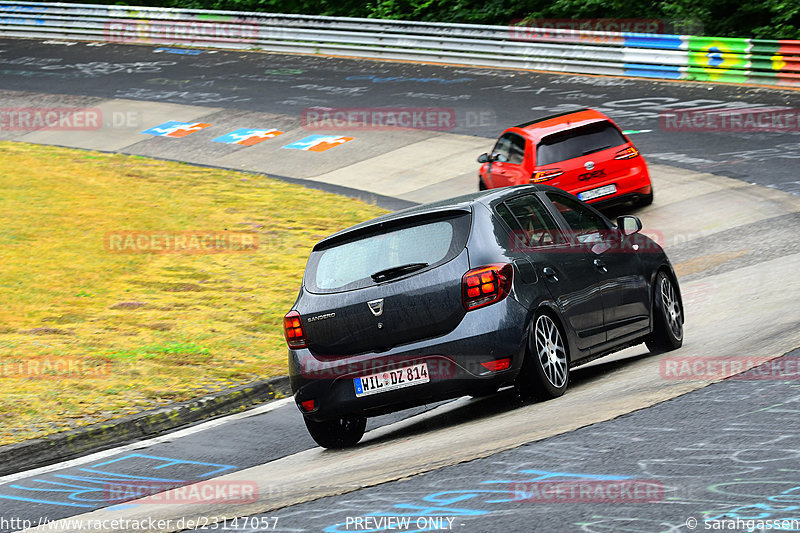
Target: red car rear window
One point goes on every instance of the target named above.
(578, 142)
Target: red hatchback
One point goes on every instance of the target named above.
(582, 152)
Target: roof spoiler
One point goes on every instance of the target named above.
(366, 228)
(542, 119)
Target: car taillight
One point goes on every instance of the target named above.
(544, 175)
(497, 365)
(293, 330)
(486, 285)
(627, 153)
(307, 405)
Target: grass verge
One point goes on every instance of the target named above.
(88, 334)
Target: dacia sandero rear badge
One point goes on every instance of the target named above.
(376, 306)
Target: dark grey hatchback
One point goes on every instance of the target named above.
(510, 286)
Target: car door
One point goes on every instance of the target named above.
(563, 266)
(622, 280)
(507, 158)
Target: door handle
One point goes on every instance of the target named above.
(550, 273)
(600, 265)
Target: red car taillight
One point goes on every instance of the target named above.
(547, 174)
(627, 153)
(293, 330)
(486, 285)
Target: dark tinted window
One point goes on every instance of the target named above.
(532, 224)
(510, 148)
(578, 142)
(507, 217)
(586, 225)
(350, 265)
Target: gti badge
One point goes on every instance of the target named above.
(589, 165)
(376, 306)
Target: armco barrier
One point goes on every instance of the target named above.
(679, 57)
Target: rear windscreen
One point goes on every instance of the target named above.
(350, 265)
(578, 142)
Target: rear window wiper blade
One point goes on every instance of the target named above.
(593, 150)
(397, 271)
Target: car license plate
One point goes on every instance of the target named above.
(597, 193)
(391, 380)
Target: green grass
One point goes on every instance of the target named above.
(147, 328)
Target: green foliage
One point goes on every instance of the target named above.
(767, 19)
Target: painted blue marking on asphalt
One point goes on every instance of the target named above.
(170, 462)
(546, 474)
(467, 494)
(73, 494)
(449, 497)
(182, 51)
(121, 477)
(166, 128)
(99, 484)
(460, 496)
(66, 504)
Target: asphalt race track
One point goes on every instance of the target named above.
(484, 101)
(735, 464)
(727, 210)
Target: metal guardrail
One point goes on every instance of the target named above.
(684, 57)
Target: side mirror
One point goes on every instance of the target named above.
(483, 158)
(629, 224)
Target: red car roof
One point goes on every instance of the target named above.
(540, 128)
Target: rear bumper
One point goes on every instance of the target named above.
(631, 197)
(453, 360)
(633, 185)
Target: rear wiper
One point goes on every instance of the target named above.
(587, 152)
(393, 272)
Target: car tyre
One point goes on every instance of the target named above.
(667, 332)
(338, 433)
(481, 185)
(545, 369)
